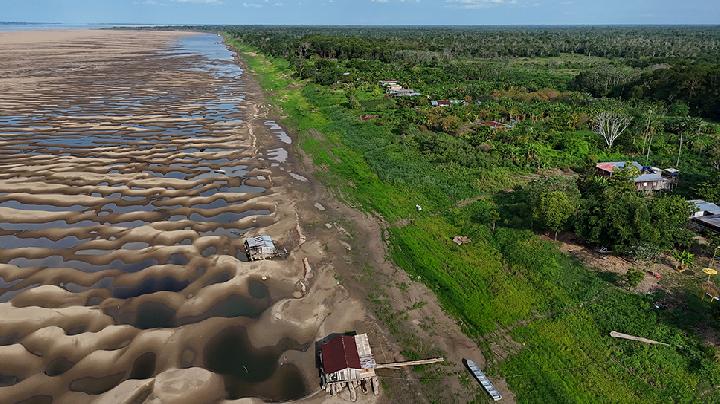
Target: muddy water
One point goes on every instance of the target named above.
(126, 183)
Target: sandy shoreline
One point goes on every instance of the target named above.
(50, 36)
(129, 173)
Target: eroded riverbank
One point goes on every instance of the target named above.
(132, 166)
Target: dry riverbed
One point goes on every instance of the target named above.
(132, 166)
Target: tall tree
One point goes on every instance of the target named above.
(651, 124)
(555, 210)
(610, 125)
(485, 212)
(552, 202)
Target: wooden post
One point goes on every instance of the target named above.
(353, 393)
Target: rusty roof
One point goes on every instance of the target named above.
(339, 353)
(611, 166)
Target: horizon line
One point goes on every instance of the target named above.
(368, 25)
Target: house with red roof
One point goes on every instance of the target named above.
(647, 179)
(347, 361)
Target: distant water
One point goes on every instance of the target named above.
(32, 26)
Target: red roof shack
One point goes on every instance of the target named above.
(340, 353)
(347, 362)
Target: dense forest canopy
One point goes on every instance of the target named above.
(656, 63)
(453, 42)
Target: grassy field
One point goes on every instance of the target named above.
(541, 318)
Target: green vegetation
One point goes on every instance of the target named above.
(553, 201)
(685, 259)
(493, 184)
(633, 277)
(614, 214)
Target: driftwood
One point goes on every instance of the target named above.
(301, 236)
(616, 334)
(308, 269)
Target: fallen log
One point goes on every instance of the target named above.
(616, 334)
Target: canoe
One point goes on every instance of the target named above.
(483, 380)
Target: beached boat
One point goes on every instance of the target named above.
(484, 381)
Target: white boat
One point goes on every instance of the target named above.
(484, 381)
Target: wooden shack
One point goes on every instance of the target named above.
(386, 83)
(347, 361)
(261, 248)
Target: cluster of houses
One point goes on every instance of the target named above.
(652, 179)
(394, 89)
(649, 179)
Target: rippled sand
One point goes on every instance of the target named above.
(132, 166)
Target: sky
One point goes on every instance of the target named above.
(365, 12)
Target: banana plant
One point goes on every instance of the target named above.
(684, 258)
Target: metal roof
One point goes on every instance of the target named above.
(710, 221)
(404, 91)
(647, 174)
(703, 206)
(649, 177)
(260, 241)
(340, 353)
(367, 361)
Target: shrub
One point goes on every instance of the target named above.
(633, 277)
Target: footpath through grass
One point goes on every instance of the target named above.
(508, 284)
